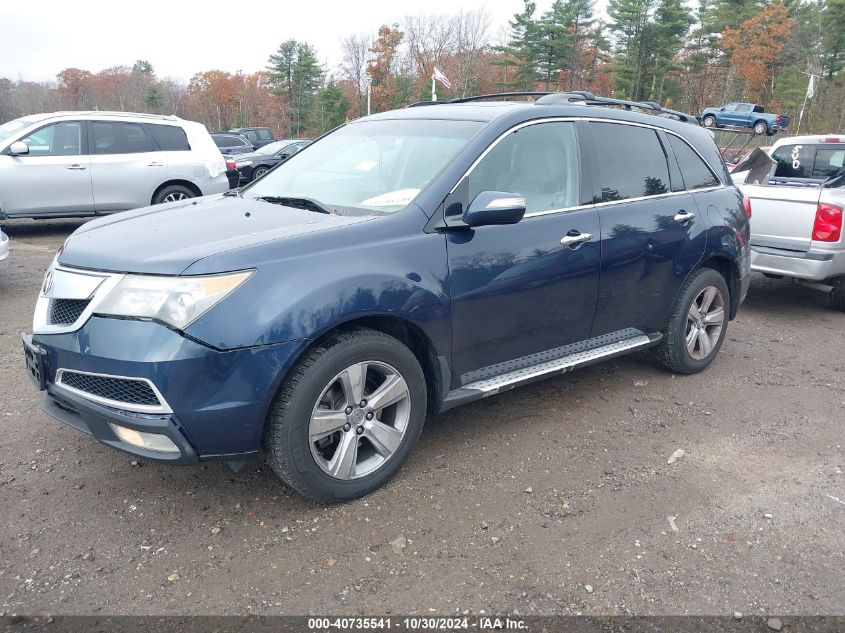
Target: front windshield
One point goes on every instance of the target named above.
(272, 148)
(369, 167)
(10, 128)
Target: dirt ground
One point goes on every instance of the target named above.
(513, 504)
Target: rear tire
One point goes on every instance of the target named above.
(709, 121)
(314, 422)
(691, 339)
(760, 128)
(173, 193)
(258, 172)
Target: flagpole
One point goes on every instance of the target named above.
(433, 89)
(810, 87)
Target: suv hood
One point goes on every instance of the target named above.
(166, 239)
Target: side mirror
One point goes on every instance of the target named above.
(722, 109)
(19, 148)
(495, 207)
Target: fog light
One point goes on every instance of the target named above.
(150, 441)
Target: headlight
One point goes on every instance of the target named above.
(245, 163)
(178, 301)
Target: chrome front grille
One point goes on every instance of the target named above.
(131, 394)
(66, 311)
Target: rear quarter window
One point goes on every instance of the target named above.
(695, 172)
(170, 138)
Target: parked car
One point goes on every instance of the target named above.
(4, 246)
(255, 165)
(232, 144)
(232, 173)
(258, 136)
(798, 207)
(405, 263)
(745, 115)
(68, 164)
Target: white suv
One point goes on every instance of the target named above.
(86, 163)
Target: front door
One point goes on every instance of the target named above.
(54, 178)
(653, 233)
(515, 289)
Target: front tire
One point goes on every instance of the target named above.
(347, 417)
(698, 323)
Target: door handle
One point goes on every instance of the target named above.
(571, 241)
(684, 216)
(76, 167)
(155, 164)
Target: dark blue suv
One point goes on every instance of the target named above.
(403, 264)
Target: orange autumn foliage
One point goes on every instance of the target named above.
(755, 46)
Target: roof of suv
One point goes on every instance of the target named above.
(99, 114)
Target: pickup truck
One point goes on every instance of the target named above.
(747, 115)
(797, 194)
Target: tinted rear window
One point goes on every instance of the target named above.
(794, 161)
(114, 137)
(695, 172)
(631, 162)
(829, 161)
(264, 134)
(170, 138)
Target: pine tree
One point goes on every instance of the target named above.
(629, 28)
(296, 74)
(334, 106)
(521, 54)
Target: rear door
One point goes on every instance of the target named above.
(54, 178)
(652, 231)
(126, 165)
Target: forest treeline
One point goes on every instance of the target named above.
(655, 50)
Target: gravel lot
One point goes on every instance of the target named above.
(515, 503)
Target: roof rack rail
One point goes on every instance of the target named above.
(590, 99)
(499, 95)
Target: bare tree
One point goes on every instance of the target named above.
(356, 56)
(472, 41)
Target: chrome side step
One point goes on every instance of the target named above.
(568, 362)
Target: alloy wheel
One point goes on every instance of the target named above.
(360, 420)
(176, 196)
(705, 320)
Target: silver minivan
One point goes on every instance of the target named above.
(87, 163)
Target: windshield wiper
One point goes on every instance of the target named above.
(308, 204)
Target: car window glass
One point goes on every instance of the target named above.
(115, 137)
(730, 107)
(539, 162)
(744, 107)
(828, 161)
(794, 161)
(264, 134)
(170, 138)
(631, 162)
(250, 134)
(58, 139)
(694, 170)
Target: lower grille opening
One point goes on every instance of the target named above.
(66, 311)
(118, 390)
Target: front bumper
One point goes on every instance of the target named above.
(217, 401)
(811, 265)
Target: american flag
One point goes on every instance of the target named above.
(438, 75)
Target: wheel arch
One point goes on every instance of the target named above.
(434, 366)
(730, 272)
(176, 181)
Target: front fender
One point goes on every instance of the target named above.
(388, 266)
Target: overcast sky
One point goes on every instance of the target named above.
(38, 38)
